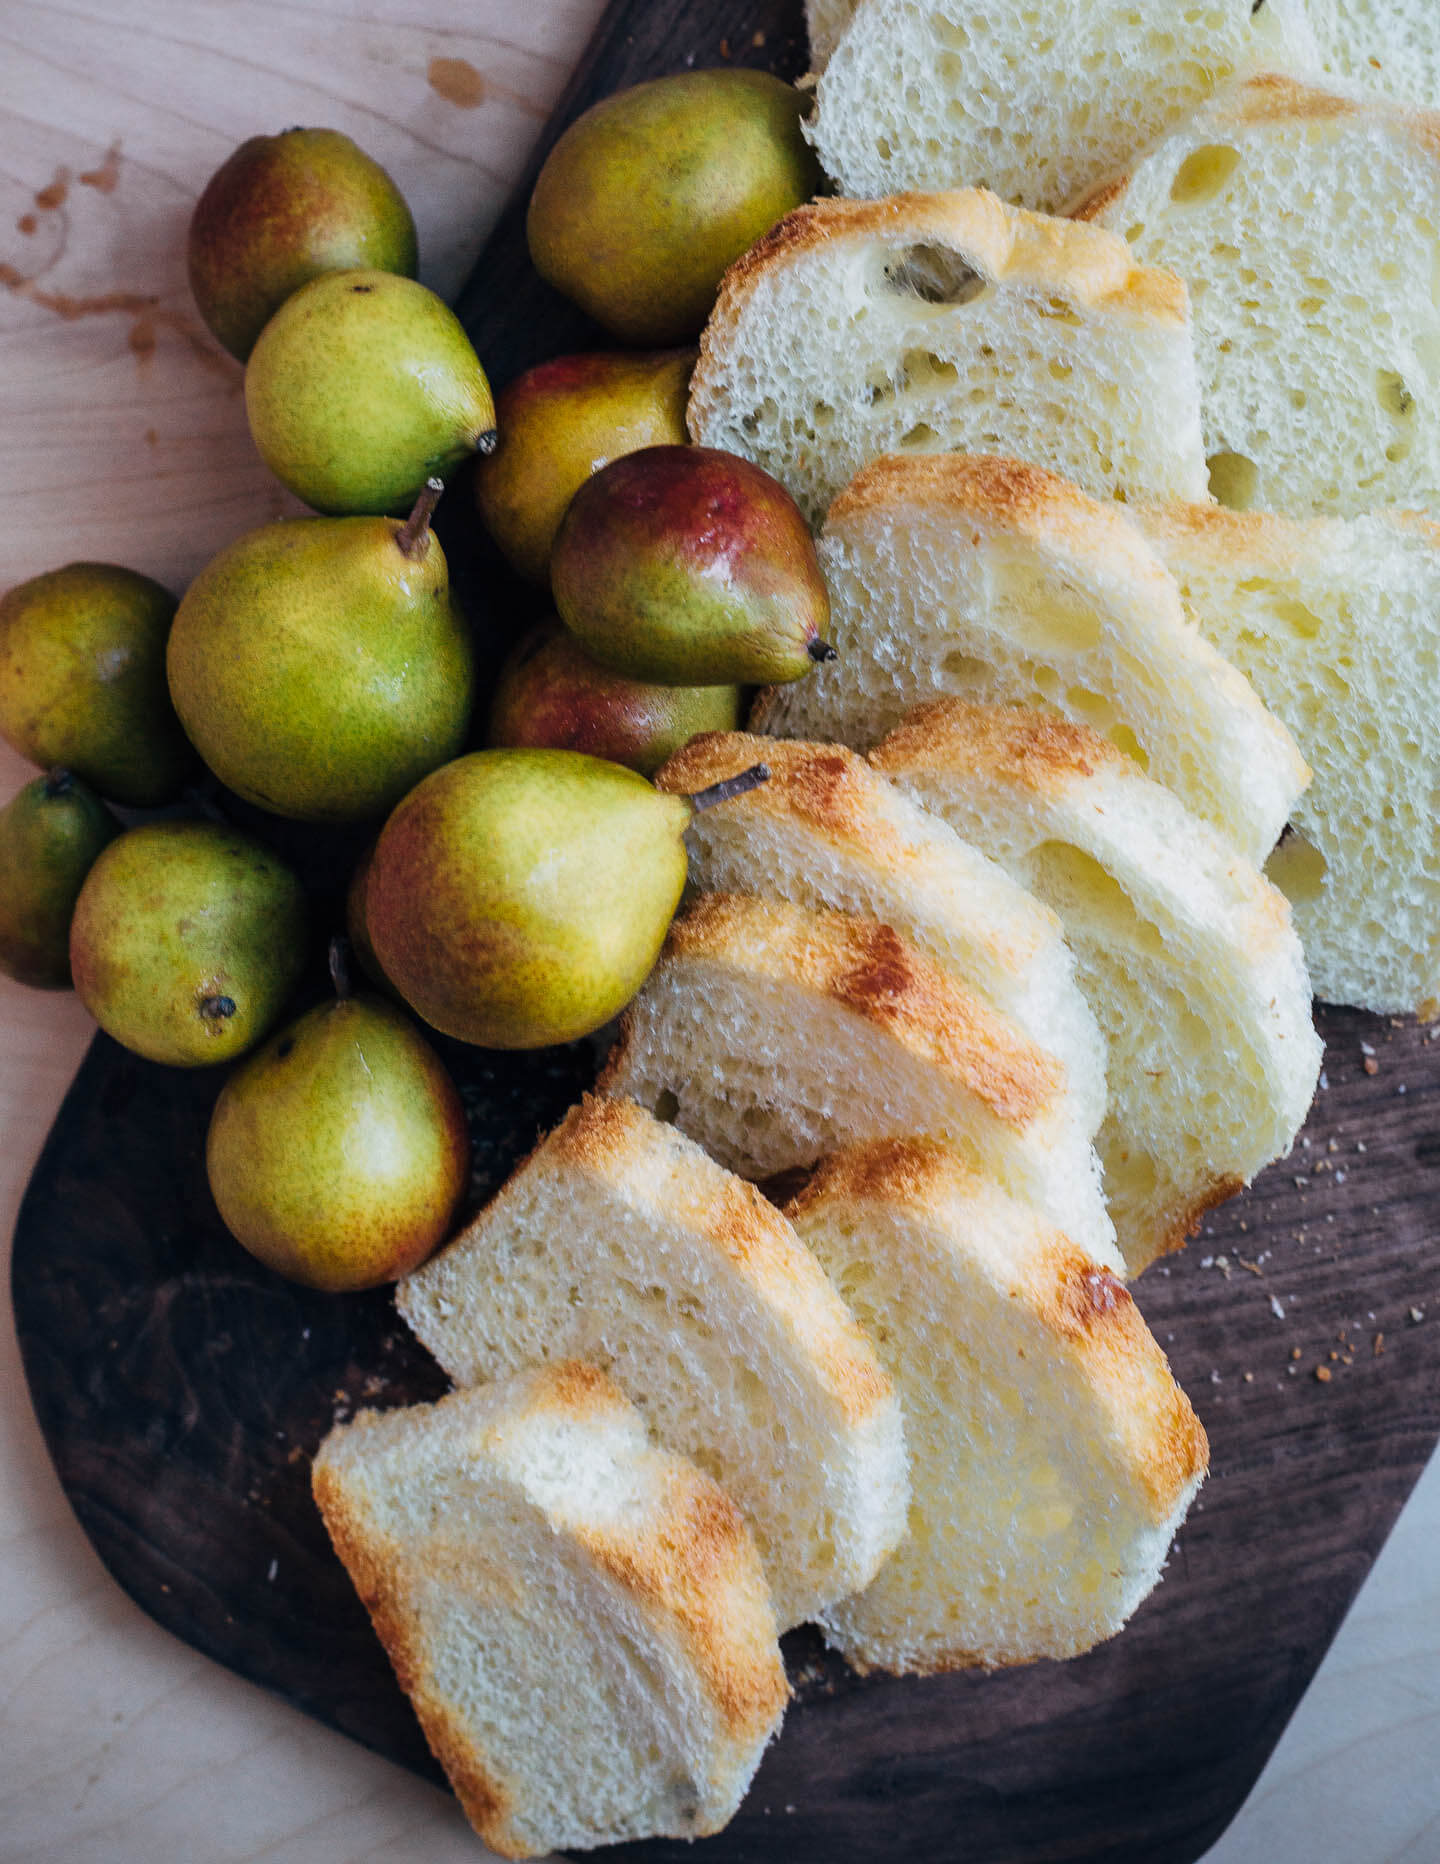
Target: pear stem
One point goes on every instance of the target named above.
(820, 651)
(729, 787)
(414, 533)
(486, 443)
(217, 1009)
(340, 967)
(59, 782)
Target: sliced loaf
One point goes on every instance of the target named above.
(774, 1035)
(1337, 624)
(580, 1620)
(1053, 1455)
(1035, 101)
(1187, 954)
(933, 323)
(619, 1242)
(828, 831)
(1000, 582)
(1307, 225)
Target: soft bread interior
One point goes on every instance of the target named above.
(619, 1242)
(1053, 1455)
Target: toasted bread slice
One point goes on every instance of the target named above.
(828, 831)
(1053, 1456)
(1307, 225)
(1037, 102)
(1187, 954)
(581, 1621)
(774, 1036)
(618, 1241)
(1000, 582)
(933, 323)
(1336, 622)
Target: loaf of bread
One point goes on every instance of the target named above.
(1037, 102)
(827, 830)
(1053, 1456)
(1187, 954)
(1303, 221)
(931, 323)
(580, 1620)
(1336, 622)
(619, 1242)
(1002, 583)
(774, 1036)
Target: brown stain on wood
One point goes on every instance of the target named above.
(106, 176)
(143, 307)
(142, 339)
(457, 81)
(26, 224)
(55, 193)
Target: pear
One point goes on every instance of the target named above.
(321, 666)
(691, 566)
(361, 387)
(82, 681)
(563, 420)
(50, 835)
(550, 692)
(338, 1152)
(186, 941)
(518, 898)
(653, 192)
(280, 211)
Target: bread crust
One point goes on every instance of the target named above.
(1035, 749)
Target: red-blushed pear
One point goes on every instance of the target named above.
(338, 1152)
(277, 213)
(518, 898)
(51, 833)
(692, 567)
(563, 420)
(550, 692)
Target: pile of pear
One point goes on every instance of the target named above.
(522, 870)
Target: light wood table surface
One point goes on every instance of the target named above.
(124, 439)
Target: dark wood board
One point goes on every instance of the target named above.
(182, 1390)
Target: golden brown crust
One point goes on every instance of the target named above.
(885, 1171)
(867, 968)
(827, 787)
(1036, 750)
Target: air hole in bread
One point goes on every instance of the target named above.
(1234, 480)
(1203, 173)
(924, 369)
(1043, 610)
(934, 274)
(1287, 610)
(1059, 310)
(1087, 896)
(920, 437)
(1297, 868)
(962, 670)
(667, 1105)
(1394, 397)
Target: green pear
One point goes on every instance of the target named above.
(50, 836)
(550, 692)
(82, 681)
(518, 898)
(653, 192)
(691, 566)
(563, 420)
(187, 940)
(361, 387)
(280, 211)
(338, 1152)
(321, 666)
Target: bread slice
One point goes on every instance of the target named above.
(932, 323)
(581, 1621)
(619, 1242)
(1336, 621)
(774, 1035)
(1000, 582)
(1187, 954)
(1036, 101)
(1053, 1455)
(828, 831)
(1382, 45)
(1307, 224)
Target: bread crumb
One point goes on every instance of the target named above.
(1370, 1065)
(1417, 1314)
(1379, 1347)
(1323, 1374)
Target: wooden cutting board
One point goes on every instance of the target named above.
(182, 1390)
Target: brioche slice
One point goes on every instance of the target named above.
(1307, 225)
(1187, 955)
(828, 831)
(619, 1242)
(933, 323)
(1385, 45)
(1053, 1456)
(580, 1620)
(1000, 582)
(1337, 623)
(1035, 101)
(774, 1035)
